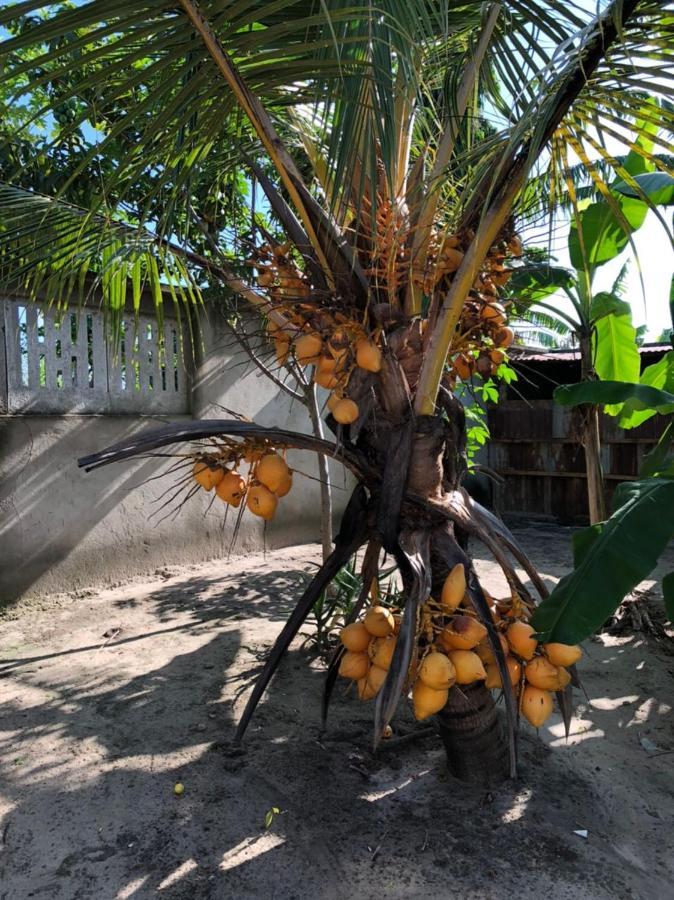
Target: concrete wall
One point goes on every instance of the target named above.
(62, 529)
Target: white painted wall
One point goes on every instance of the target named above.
(62, 529)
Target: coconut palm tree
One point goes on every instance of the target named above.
(393, 144)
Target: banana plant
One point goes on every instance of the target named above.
(362, 125)
(599, 322)
(642, 517)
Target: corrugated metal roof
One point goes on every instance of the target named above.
(535, 354)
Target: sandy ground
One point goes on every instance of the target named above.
(109, 699)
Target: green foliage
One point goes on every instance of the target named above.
(336, 604)
(270, 816)
(659, 375)
(477, 430)
(125, 116)
(614, 393)
(536, 281)
(616, 357)
(610, 560)
(474, 397)
(606, 303)
(603, 230)
(633, 402)
(658, 187)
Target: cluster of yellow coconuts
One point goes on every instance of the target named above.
(268, 479)
(485, 334)
(333, 355)
(332, 344)
(456, 651)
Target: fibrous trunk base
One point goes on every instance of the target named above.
(472, 733)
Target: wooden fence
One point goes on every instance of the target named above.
(534, 446)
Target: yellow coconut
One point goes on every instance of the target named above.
(354, 665)
(285, 486)
(542, 674)
(485, 652)
(368, 355)
(272, 471)
(355, 637)
(497, 357)
(327, 380)
(562, 654)
(504, 337)
(261, 502)
(535, 705)
(308, 348)
(450, 259)
(427, 701)
(463, 366)
(454, 589)
(333, 400)
(379, 621)
(468, 666)
(327, 365)
(231, 488)
(494, 675)
(462, 633)
(206, 475)
(369, 686)
(564, 678)
(345, 411)
(437, 671)
(494, 313)
(521, 639)
(381, 650)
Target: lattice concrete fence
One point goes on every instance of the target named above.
(64, 394)
(58, 361)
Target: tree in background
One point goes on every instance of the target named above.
(364, 127)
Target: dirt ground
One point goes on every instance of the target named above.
(109, 698)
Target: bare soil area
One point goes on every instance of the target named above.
(111, 698)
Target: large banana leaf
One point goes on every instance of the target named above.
(604, 231)
(658, 187)
(610, 560)
(616, 357)
(659, 375)
(613, 392)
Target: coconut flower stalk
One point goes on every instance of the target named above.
(395, 216)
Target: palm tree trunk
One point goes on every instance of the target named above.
(591, 440)
(469, 725)
(473, 736)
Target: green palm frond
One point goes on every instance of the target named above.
(161, 119)
(620, 282)
(542, 329)
(317, 57)
(56, 249)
